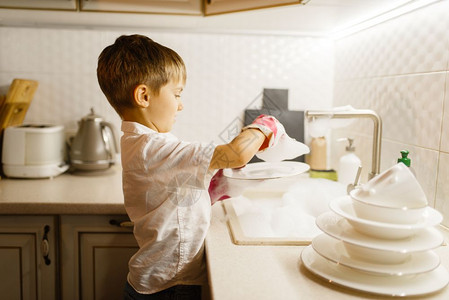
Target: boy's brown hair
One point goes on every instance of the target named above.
(134, 60)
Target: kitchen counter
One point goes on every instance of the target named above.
(242, 272)
(235, 271)
(69, 193)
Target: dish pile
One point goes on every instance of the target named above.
(380, 239)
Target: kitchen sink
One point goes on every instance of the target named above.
(280, 211)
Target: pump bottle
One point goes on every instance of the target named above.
(348, 164)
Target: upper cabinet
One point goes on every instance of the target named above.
(187, 7)
(213, 7)
(183, 7)
(40, 4)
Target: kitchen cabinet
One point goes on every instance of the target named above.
(95, 251)
(183, 7)
(40, 4)
(187, 7)
(28, 254)
(64, 257)
(213, 7)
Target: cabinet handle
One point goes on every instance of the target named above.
(45, 246)
(126, 224)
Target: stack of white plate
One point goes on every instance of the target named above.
(379, 242)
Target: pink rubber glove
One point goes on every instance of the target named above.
(270, 127)
(222, 187)
(218, 187)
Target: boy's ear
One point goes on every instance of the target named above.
(142, 96)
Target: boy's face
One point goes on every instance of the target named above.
(164, 107)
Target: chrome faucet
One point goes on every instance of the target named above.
(357, 113)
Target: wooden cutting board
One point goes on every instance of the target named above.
(14, 105)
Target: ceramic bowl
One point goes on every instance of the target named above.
(375, 255)
(386, 214)
(396, 187)
(343, 206)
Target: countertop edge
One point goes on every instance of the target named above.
(51, 208)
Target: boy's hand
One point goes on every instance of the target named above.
(278, 145)
(218, 187)
(270, 127)
(222, 187)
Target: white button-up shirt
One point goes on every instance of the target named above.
(165, 185)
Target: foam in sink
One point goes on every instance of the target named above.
(281, 213)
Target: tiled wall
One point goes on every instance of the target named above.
(226, 73)
(400, 69)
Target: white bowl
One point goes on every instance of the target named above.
(396, 187)
(375, 255)
(387, 214)
(343, 206)
(427, 238)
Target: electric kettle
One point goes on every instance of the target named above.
(94, 146)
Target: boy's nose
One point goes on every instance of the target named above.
(180, 106)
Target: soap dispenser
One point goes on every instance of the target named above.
(348, 164)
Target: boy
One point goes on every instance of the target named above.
(165, 180)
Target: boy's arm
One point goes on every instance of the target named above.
(262, 133)
(239, 151)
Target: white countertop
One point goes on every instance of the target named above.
(242, 272)
(90, 193)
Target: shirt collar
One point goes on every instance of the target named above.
(134, 127)
(137, 128)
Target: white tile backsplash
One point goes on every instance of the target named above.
(400, 69)
(226, 72)
(411, 107)
(445, 131)
(412, 43)
(41, 50)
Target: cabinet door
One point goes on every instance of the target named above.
(190, 7)
(95, 251)
(41, 4)
(27, 257)
(18, 266)
(213, 7)
(104, 264)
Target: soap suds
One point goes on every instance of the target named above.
(291, 214)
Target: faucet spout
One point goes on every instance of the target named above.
(357, 113)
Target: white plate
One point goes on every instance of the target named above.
(267, 170)
(343, 207)
(410, 285)
(339, 228)
(334, 250)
